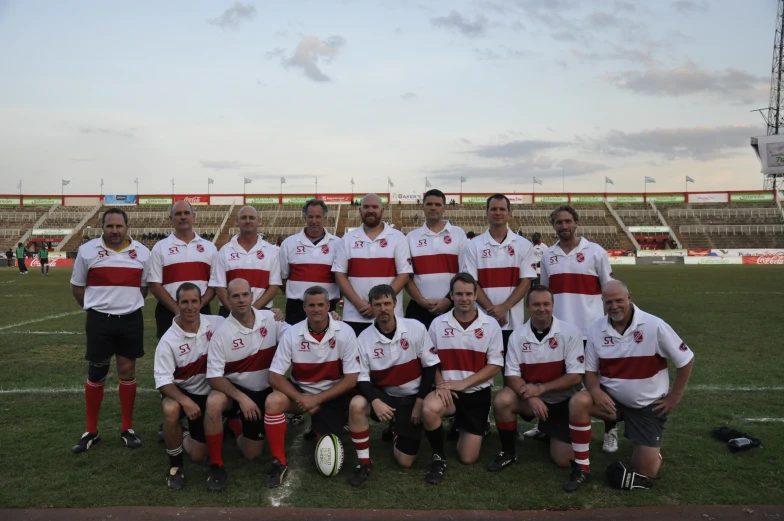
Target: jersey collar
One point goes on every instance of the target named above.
(399, 331)
(257, 323)
(174, 240)
(334, 327)
(481, 320)
(529, 336)
(303, 238)
(583, 244)
(185, 334)
(637, 320)
(260, 243)
(510, 236)
(360, 232)
(446, 229)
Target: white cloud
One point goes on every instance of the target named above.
(310, 50)
(234, 16)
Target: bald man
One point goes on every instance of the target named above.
(250, 257)
(183, 256)
(626, 379)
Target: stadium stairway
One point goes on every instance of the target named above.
(76, 239)
(342, 220)
(625, 242)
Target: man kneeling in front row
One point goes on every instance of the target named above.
(397, 369)
(180, 374)
(545, 362)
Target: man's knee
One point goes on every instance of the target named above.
(276, 403)
(505, 400)
(251, 449)
(97, 371)
(581, 402)
(216, 404)
(433, 406)
(358, 406)
(126, 368)
(171, 410)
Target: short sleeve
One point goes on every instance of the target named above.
(164, 365)
(349, 351)
(80, 269)
(512, 367)
(340, 264)
(402, 256)
(155, 263)
(670, 346)
(281, 362)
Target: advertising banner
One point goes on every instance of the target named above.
(626, 199)
(659, 261)
(756, 259)
(297, 199)
(52, 231)
(551, 199)
(587, 199)
(662, 253)
(747, 252)
(193, 199)
(649, 229)
(452, 197)
(36, 262)
(709, 198)
(699, 253)
(119, 199)
(475, 198)
(712, 260)
(9, 201)
(762, 197)
(336, 199)
(358, 198)
(616, 253)
(155, 201)
(409, 198)
(41, 201)
(667, 198)
(628, 261)
(262, 199)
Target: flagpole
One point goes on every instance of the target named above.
(316, 194)
(563, 178)
(208, 187)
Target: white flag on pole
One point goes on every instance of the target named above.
(248, 180)
(427, 183)
(608, 181)
(689, 179)
(352, 181)
(537, 181)
(66, 182)
(649, 179)
(389, 181)
(282, 180)
(19, 186)
(463, 179)
(210, 181)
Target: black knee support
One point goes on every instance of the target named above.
(97, 371)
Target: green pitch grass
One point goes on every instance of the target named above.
(731, 316)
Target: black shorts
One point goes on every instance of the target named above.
(110, 335)
(407, 435)
(473, 410)
(644, 426)
(195, 427)
(332, 416)
(295, 313)
(358, 327)
(164, 318)
(254, 431)
(417, 312)
(505, 335)
(557, 423)
(44, 261)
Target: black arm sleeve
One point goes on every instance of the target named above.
(370, 391)
(426, 383)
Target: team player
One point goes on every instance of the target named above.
(322, 355)
(575, 269)
(626, 379)
(504, 264)
(397, 370)
(306, 260)
(247, 256)
(470, 347)
(109, 281)
(545, 363)
(238, 362)
(435, 256)
(43, 257)
(180, 375)
(373, 254)
(183, 256)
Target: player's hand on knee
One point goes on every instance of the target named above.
(192, 411)
(446, 397)
(604, 402)
(416, 414)
(383, 411)
(249, 409)
(539, 408)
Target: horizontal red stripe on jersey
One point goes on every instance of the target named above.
(369, 268)
(499, 277)
(115, 276)
(632, 367)
(192, 369)
(433, 264)
(319, 273)
(311, 373)
(543, 372)
(256, 278)
(576, 283)
(186, 272)
(462, 360)
(257, 362)
(397, 374)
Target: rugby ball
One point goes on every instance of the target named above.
(329, 455)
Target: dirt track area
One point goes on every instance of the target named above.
(696, 513)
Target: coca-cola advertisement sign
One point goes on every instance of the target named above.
(193, 199)
(36, 262)
(777, 258)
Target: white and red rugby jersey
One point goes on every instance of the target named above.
(576, 281)
(396, 365)
(260, 266)
(243, 355)
(181, 358)
(560, 352)
(465, 352)
(370, 263)
(435, 258)
(173, 262)
(317, 366)
(112, 278)
(499, 267)
(633, 366)
(305, 264)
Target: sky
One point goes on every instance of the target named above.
(498, 92)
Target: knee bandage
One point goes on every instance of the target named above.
(97, 371)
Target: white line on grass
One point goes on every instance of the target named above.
(42, 319)
(714, 388)
(7, 282)
(764, 420)
(47, 332)
(68, 390)
(280, 494)
(15, 296)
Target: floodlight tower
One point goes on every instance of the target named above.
(775, 119)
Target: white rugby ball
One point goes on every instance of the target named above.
(329, 455)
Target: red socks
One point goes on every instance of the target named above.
(93, 396)
(362, 445)
(127, 393)
(581, 440)
(215, 446)
(275, 426)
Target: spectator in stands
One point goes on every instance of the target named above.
(539, 247)
(43, 257)
(181, 257)
(21, 254)
(306, 260)
(9, 257)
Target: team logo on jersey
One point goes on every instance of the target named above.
(410, 261)
(449, 332)
(638, 337)
(260, 255)
(237, 344)
(609, 341)
(304, 346)
(200, 248)
(553, 260)
(174, 250)
(357, 359)
(383, 243)
(447, 239)
(404, 344)
(553, 343)
(209, 335)
(132, 254)
(510, 249)
(479, 334)
(325, 249)
(184, 349)
(580, 257)
(378, 352)
(683, 347)
(421, 242)
(526, 347)
(433, 350)
(263, 332)
(358, 245)
(300, 250)
(332, 343)
(581, 359)
(234, 256)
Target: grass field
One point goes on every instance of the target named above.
(731, 316)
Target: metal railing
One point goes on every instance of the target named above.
(582, 230)
(725, 229)
(726, 212)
